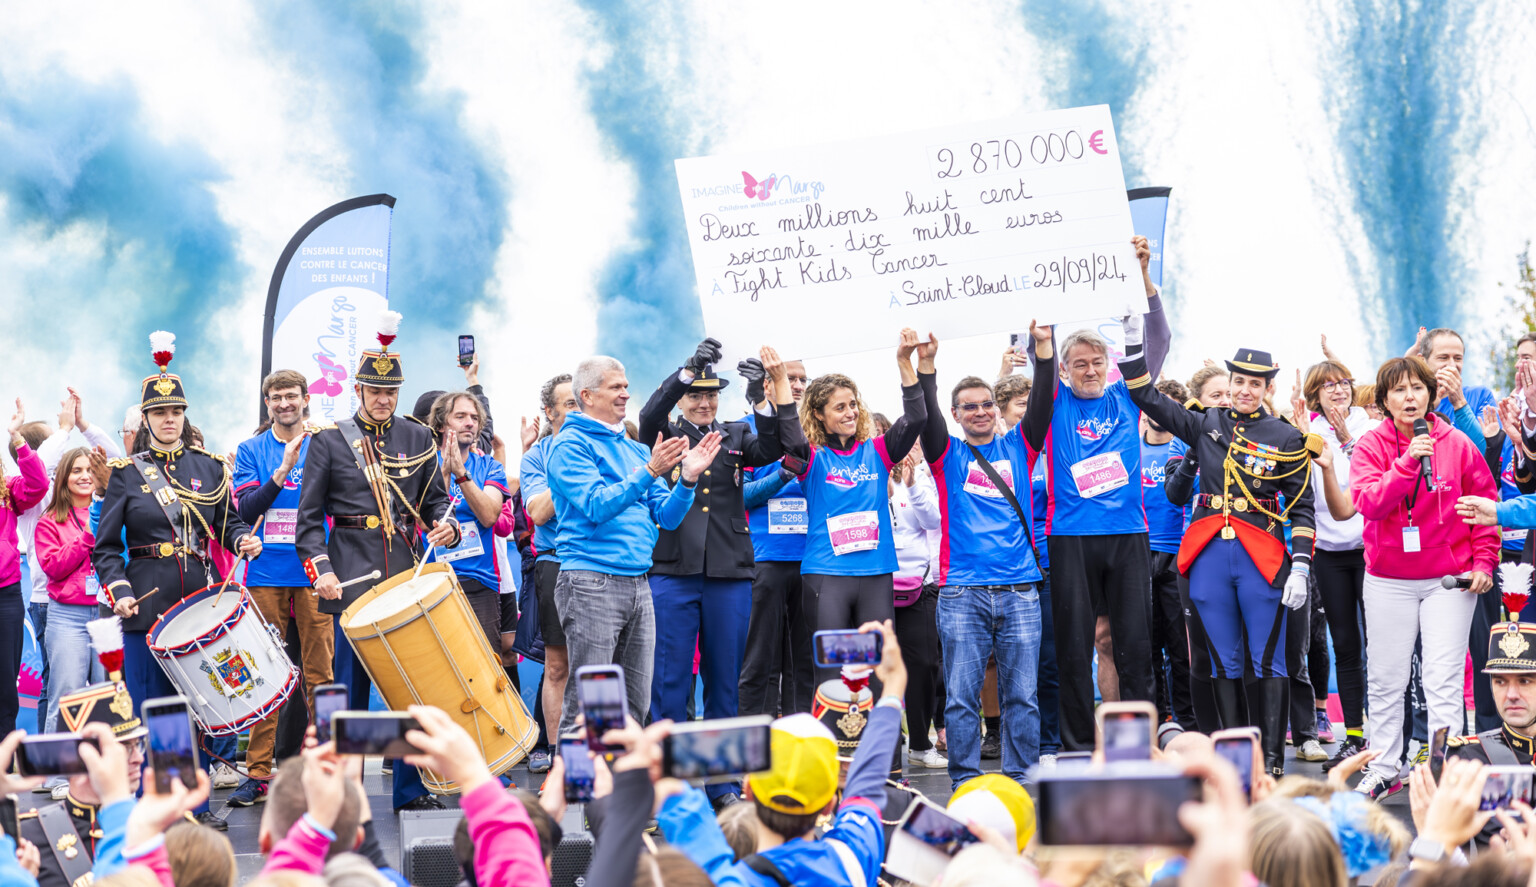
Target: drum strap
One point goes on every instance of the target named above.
(64, 841)
(1499, 754)
(164, 495)
(370, 468)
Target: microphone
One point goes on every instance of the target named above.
(1455, 582)
(1422, 427)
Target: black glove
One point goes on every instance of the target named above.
(1190, 465)
(707, 353)
(752, 370)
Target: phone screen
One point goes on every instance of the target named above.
(718, 753)
(603, 703)
(1437, 751)
(1504, 786)
(580, 774)
(51, 754)
(1127, 736)
(466, 350)
(373, 733)
(8, 820)
(328, 700)
(1102, 810)
(1238, 751)
(848, 647)
(172, 750)
(938, 829)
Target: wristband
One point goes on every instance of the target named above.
(690, 484)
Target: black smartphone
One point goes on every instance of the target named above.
(1115, 807)
(603, 703)
(172, 744)
(1437, 751)
(329, 699)
(1238, 747)
(51, 754)
(466, 350)
(8, 821)
(580, 773)
(793, 464)
(373, 733)
(847, 647)
(718, 750)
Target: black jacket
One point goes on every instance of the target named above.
(49, 872)
(334, 486)
(202, 483)
(713, 538)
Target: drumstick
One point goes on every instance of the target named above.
(140, 600)
(236, 564)
(363, 578)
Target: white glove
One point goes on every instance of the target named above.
(1133, 325)
(1295, 594)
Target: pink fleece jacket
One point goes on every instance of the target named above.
(1382, 478)
(506, 846)
(154, 857)
(303, 849)
(26, 490)
(64, 551)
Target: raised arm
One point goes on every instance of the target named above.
(1042, 391)
(904, 432)
(1158, 333)
(1164, 410)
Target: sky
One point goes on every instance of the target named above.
(1349, 167)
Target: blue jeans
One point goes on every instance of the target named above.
(71, 664)
(1050, 690)
(37, 611)
(974, 623)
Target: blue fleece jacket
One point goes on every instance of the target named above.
(607, 504)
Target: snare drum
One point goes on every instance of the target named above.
(421, 644)
(224, 657)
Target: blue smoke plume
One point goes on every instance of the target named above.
(403, 139)
(648, 312)
(1103, 60)
(1401, 72)
(81, 156)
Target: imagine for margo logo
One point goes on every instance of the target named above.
(331, 376)
(762, 189)
(753, 188)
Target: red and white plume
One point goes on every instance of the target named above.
(1515, 583)
(389, 327)
(163, 346)
(107, 637)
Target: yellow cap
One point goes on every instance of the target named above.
(804, 775)
(998, 803)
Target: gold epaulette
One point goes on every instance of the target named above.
(217, 457)
(418, 421)
(119, 462)
(1458, 741)
(1315, 444)
(30, 814)
(1194, 405)
(316, 429)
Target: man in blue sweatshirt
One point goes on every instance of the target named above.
(608, 507)
(792, 797)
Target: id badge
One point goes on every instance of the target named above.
(469, 545)
(1410, 539)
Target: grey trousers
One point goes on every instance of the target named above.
(607, 620)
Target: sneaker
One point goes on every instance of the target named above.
(1311, 751)
(387, 767)
(1352, 745)
(48, 787)
(930, 759)
(992, 746)
(59, 792)
(1047, 762)
(1324, 727)
(224, 776)
(210, 819)
(539, 762)
(250, 793)
(1375, 786)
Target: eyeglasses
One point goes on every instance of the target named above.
(973, 407)
(285, 398)
(1338, 383)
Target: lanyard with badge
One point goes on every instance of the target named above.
(92, 584)
(1411, 542)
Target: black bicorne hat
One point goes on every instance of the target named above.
(1250, 362)
(381, 368)
(163, 389)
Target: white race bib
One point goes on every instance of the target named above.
(1099, 474)
(280, 526)
(978, 484)
(787, 516)
(858, 531)
(469, 545)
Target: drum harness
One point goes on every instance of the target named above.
(375, 466)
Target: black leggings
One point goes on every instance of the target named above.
(841, 602)
(1340, 580)
(917, 630)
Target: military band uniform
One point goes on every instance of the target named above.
(1234, 551)
(363, 536)
(76, 844)
(701, 573)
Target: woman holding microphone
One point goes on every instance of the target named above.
(1406, 476)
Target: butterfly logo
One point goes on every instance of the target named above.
(331, 374)
(754, 188)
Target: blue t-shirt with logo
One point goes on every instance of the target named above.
(983, 542)
(849, 507)
(1094, 443)
(1514, 540)
(1165, 521)
(475, 555)
(255, 460)
(533, 480)
(779, 526)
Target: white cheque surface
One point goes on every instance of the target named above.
(960, 231)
